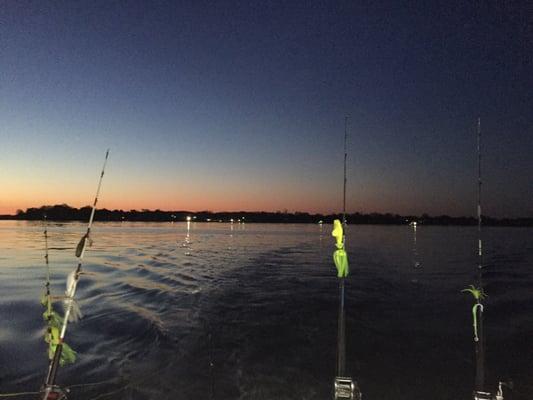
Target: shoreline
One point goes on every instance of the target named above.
(103, 215)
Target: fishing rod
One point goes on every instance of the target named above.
(52, 318)
(344, 386)
(341, 330)
(50, 390)
(478, 292)
(46, 300)
(344, 181)
(478, 307)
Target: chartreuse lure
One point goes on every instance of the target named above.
(340, 257)
(68, 356)
(479, 295)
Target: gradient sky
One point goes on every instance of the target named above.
(241, 105)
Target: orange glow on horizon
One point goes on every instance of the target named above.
(198, 193)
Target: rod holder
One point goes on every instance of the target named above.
(478, 395)
(499, 393)
(346, 388)
(53, 392)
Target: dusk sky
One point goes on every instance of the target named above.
(241, 105)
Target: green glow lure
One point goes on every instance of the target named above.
(68, 356)
(479, 295)
(340, 257)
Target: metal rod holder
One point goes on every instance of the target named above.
(346, 388)
(53, 392)
(478, 395)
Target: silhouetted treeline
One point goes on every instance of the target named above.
(64, 212)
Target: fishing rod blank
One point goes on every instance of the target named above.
(344, 387)
(51, 391)
(341, 329)
(477, 291)
(478, 307)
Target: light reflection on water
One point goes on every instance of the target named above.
(161, 301)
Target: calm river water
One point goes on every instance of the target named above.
(249, 311)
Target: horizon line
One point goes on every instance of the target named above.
(285, 211)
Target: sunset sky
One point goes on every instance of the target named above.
(241, 105)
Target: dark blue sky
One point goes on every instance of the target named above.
(241, 105)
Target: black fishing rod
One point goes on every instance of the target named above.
(50, 390)
(478, 307)
(344, 386)
(47, 300)
(341, 329)
(480, 391)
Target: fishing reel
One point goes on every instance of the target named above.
(482, 395)
(478, 395)
(53, 392)
(346, 388)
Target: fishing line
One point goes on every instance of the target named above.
(67, 388)
(78, 385)
(17, 394)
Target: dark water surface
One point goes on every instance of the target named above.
(259, 304)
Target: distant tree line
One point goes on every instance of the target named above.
(63, 212)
